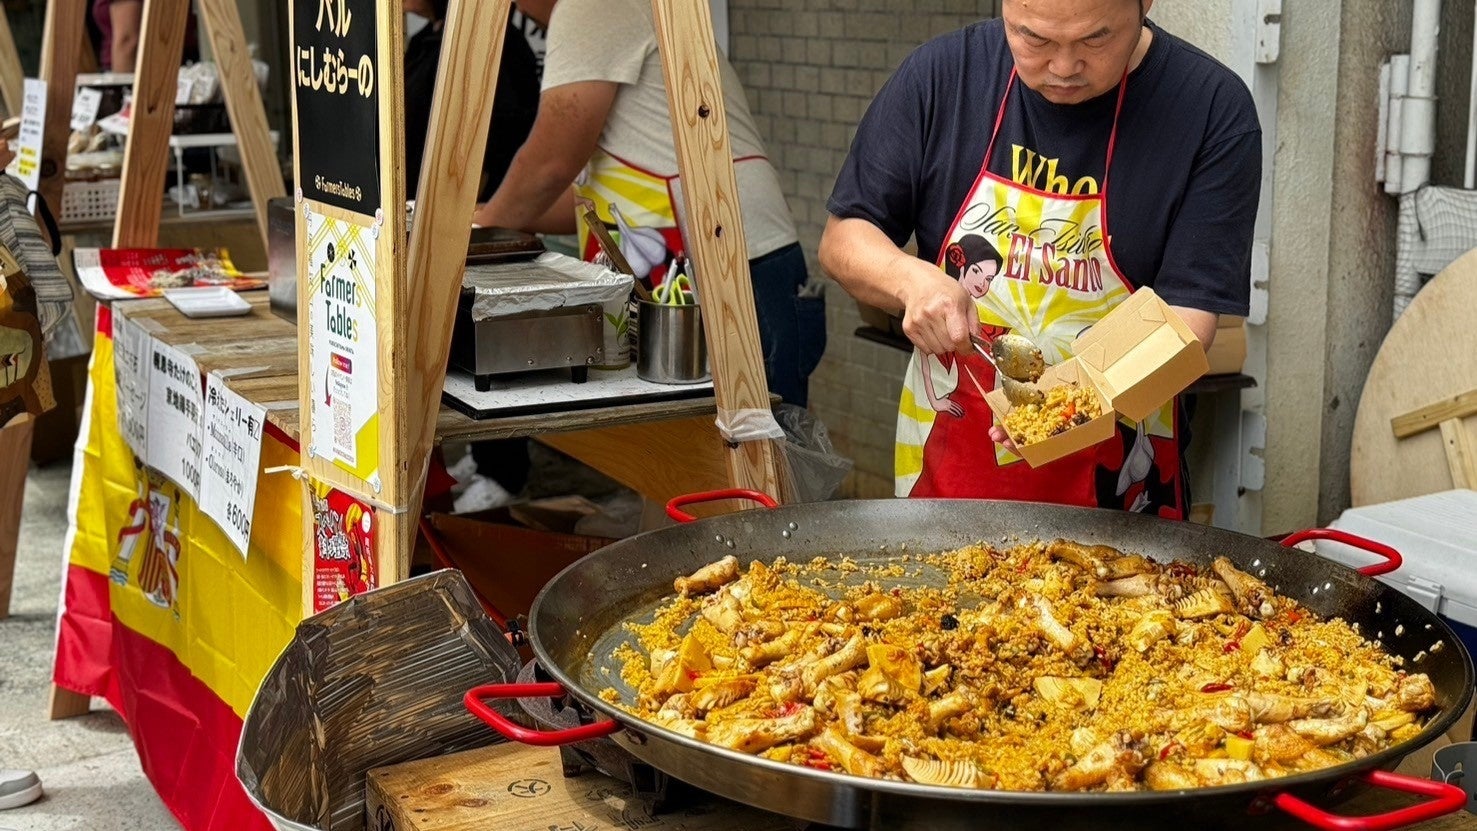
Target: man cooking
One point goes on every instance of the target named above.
(1097, 154)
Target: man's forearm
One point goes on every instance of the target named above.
(525, 196)
(856, 254)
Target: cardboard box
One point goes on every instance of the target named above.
(1227, 354)
(1141, 355)
(1077, 438)
(1137, 358)
(517, 788)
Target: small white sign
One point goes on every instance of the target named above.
(84, 107)
(132, 351)
(183, 89)
(27, 164)
(176, 417)
(233, 448)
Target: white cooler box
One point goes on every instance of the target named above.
(1437, 537)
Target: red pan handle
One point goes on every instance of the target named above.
(476, 700)
(1445, 799)
(674, 508)
(1393, 560)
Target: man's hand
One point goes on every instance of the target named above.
(938, 314)
(1002, 438)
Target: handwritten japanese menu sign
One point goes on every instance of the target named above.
(132, 351)
(336, 90)
(27, 164)
(233, 447)
(176, 417)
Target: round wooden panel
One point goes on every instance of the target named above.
(1429, 355)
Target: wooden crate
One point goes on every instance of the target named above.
(518, 788)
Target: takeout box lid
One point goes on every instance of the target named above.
(1073, 439)
(1141, 355)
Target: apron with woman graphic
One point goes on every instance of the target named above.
(1036, 263)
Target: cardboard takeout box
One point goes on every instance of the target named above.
(1137, 358)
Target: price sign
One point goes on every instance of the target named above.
(176, 416)
(84, 107)
(27, 164)
(336, 87)
(132, 351)
(233, 449)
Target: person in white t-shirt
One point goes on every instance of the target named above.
(603, 126)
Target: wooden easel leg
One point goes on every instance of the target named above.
(15, 456)
(68, 704)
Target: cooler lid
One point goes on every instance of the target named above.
(1436, 534)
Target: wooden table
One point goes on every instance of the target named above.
(256, 355)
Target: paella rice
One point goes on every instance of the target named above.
(1040, 666)
(1065, 406)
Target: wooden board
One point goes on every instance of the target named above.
(1426, 357)
(714, 231)
(222, 21)
(15, 455)
(146, 156)
(455, 142)
(658, 461)
(516, 788)
(12, 77)
(60, 42)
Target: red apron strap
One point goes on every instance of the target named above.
(999, 119)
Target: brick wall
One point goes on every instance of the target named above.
(811, 68)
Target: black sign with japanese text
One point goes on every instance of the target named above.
(336, 88)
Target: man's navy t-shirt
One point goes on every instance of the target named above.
(1186, 174)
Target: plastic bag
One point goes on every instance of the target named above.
(816, 469)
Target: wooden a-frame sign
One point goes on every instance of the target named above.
(414, 316)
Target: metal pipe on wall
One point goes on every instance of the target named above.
(1418, 121)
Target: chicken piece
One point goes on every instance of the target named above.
(660, 660)
(1153, 627)
(1200, 738)
(1326, 731)
(1168, 586)
(1230, 712)
(1278, 744)
(725, 611)
(954, 704)
(1267, 665)
(1388, 720)
(1415, 693)
(851, 654)
(723, 693)
(960, 773)
(1060, 636)
(1253, 597)
(1270, 708)
(1168, 776)
(1128, 566)
(851, 713)
(1207, 602)
(762, 654)
(690, 728)
(676, 708)
(1119, 756)
(1092, 559)
(710, 577)
(1372, 739)
(760, 631)
(785, 684)
(1139, 585)
(935, 679)
(1212, 772)
(852, 759)
(753, 735)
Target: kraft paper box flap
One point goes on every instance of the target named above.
(1141, 355)
(1072, 440)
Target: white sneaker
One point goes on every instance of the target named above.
(18, 787)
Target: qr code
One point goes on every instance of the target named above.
(343, 427)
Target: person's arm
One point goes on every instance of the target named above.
(126, 17)
(1202, 323)
(565, 135)
(938, 314)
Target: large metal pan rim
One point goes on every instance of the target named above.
(1387, 758)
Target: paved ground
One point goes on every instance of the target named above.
(87, 765)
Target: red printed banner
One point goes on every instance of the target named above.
(343, 547)
(127, 273)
